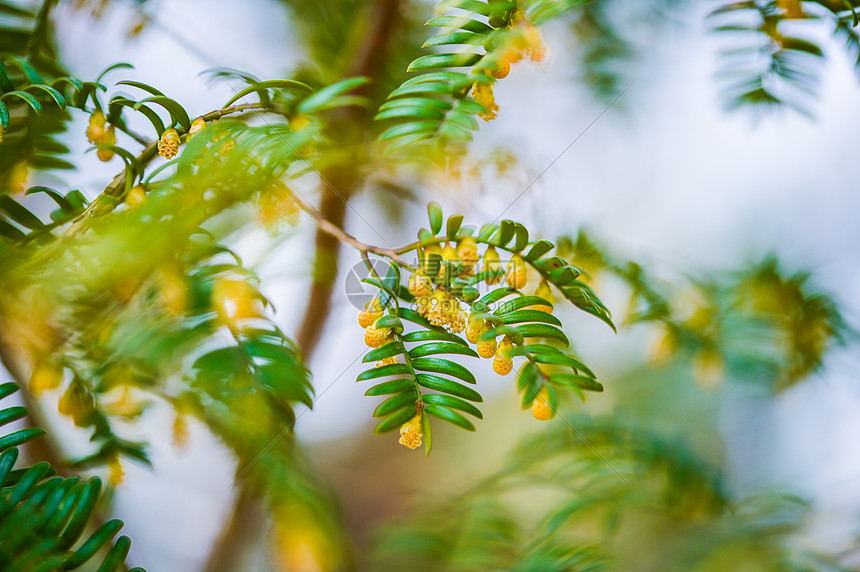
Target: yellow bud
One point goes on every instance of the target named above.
(516, 275)
(76, 403)
(420, 284)
(540, 406)
(96, 128)
(45, 376)
(372, 312)
(467, 251)
(196, 127)
(180, 431)
(19, 177)
(491, 264)
(448, 255)
(501, 365)
(174, 291)
(664, 348)
(486, 348)
(482, 92)
(168, 145)
(136, 196)
(108, 138)
(473, 332)
(235, 299)
(709, 368)
(410, 432)
(387, 361)
(501, 69)
(544, 291)
(116, 473)
(276, 204)
(376, 337)
(299, 122)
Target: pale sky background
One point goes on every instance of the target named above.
(668, 177)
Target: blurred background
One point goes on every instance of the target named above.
(619, 143)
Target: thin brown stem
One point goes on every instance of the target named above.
(328, 227)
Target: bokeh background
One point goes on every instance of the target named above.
(659, 171)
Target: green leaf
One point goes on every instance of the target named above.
(453, 403)
(539, 248)
(521, 302)
(55, 95)
(506, 232)
(385, 371)
(442, 76)
(316, 101)
(563, 276)
(542, 331)
(428, 433)
(19, 213)
(416, 102)
(451, 387)
(454, 38)
(434, 212)
(548, 354)
(416, 318)
(4, 116)
(61, 201)
(117, 555)
(11, 414)
(527, 376)
(262, 89)
(522, 235)
(20, 437)
(431, 335)
(5, 84)
(147, 88)
(460, 22)
(28, 98)
(394, 386)
(28, 70)
(390, 321)
(552, 263)
(521, 316)
(434, 348)
(411, 111)
(177, 112)
(496, 295)
(99, 538)
(386, 351)
(395, 403)
(470, 5)
(580, 381)
(439, 365)
(409, 128)
(435, 87)
(487, 231)
(453, 417)
(455, 221)
(10, 232)
(481, 276)
(511, 332)
(444, 61)
(396, 420)
(120, 65)
(408, 140)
